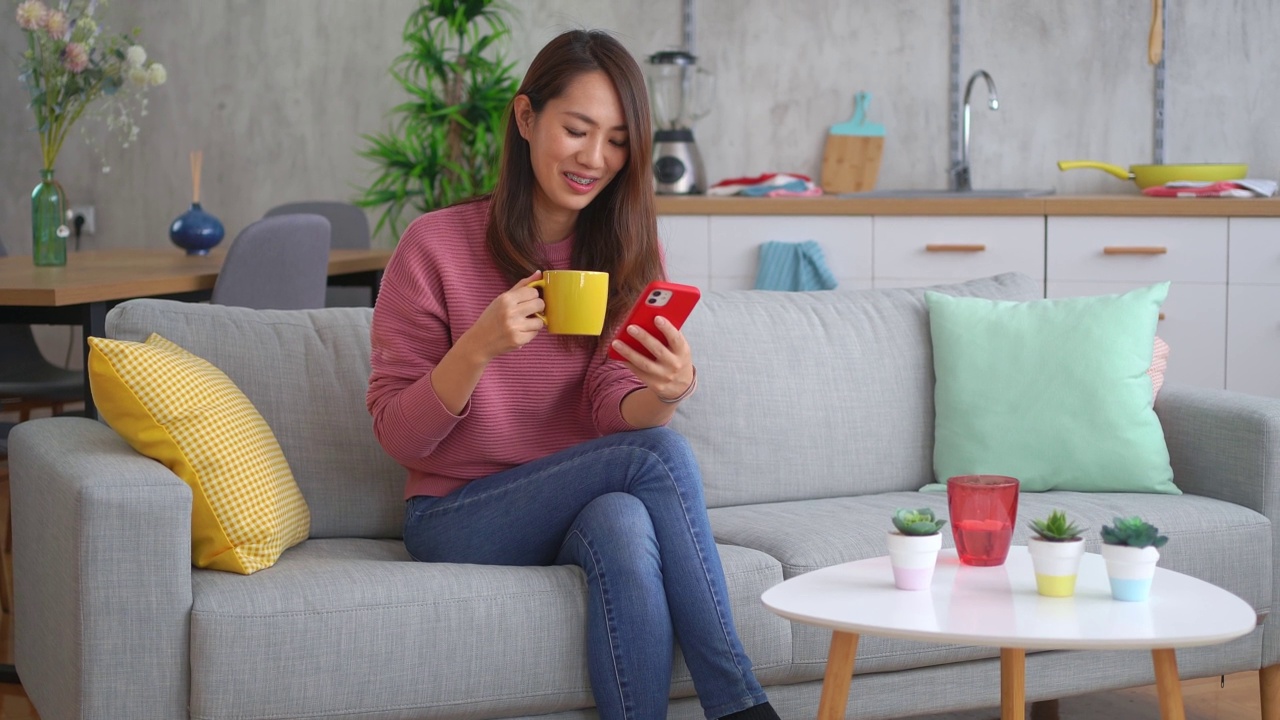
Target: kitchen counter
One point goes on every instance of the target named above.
(1050, 205)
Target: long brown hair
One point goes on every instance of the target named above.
(618, 231)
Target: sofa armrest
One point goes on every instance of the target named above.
(102, 574)
(1226, 446)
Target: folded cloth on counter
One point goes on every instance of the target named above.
(767, 185)
(793, 266)
(1245, 188)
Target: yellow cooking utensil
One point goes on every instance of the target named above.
(1105, 167)
(1154, 175)
(1155, 43)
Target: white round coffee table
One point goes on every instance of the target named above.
(999, 607)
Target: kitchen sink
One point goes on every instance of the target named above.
(949, 194)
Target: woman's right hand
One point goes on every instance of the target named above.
(509, 322)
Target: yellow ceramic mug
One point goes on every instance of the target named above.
(576, 301)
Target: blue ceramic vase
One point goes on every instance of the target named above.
(196, 231)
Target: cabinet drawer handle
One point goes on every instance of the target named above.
(1134, 250)
(932, 247)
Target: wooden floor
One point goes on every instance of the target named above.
(1205, 700)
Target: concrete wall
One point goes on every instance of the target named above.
(278, 93)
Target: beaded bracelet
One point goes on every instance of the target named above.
(687, 391)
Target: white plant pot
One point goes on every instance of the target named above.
(1130, 571)
(913, 558)
(1056, 565)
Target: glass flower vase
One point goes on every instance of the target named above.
(48, 222)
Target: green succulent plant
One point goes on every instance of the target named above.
(1056, 528)
(1134, 532)
(917, 522)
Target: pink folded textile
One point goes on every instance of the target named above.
(1217, 189)
(762, 185)
(1242, 188)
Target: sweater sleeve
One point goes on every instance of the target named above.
(608, 382)
(410, 335)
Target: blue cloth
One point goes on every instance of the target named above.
(628, 509)
(793, 266)
(762, 190)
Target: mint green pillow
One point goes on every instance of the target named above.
(1052, 392)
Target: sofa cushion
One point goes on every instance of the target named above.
(440, 635)
(176, 408)
(811, 534)
(816, 394)
(306, 371)
(1053, 392)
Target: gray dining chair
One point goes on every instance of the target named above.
(27, 380)
(350, 231)
(348, 224)
(277, 263)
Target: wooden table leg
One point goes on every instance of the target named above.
(1168, 687)
(1013, 684)
(835, 683)
(1269, 685)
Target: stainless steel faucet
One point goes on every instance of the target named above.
(960, 171)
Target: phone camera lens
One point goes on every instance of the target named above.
(653, 301)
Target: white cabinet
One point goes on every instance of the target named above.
(912, 251)
(684, 242)
(1253, 306)
(735, 241)
(1105, 255)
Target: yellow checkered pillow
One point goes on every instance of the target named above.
(179, 409)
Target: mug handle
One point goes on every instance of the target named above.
(540, 283)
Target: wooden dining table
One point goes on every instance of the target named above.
(94, 281)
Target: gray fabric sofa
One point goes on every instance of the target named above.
(813, 421)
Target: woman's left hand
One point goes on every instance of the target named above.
(670, 373)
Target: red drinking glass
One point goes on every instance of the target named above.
(983, 510)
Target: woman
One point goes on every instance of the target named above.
(528, 449)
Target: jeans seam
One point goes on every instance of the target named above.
(726, 632)
(608, 616)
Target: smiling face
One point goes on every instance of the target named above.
(577, 145)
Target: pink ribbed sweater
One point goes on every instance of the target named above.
(540, 399)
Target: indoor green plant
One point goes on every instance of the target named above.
(447, 138)
(1130, 550)
(1055, 551)
(914, 546)
(69, 63)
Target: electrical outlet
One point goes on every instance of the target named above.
(85, 211)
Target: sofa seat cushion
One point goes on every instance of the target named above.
(810, 534)
(347, 628)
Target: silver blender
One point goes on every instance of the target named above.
(680, 94)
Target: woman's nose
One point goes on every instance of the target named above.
(592, 152)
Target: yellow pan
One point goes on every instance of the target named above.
(1153, 175)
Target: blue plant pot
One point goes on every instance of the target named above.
(196, 231)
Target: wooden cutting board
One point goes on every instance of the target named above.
(851, 163)
(851, 159)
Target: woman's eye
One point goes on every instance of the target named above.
(575, 133)
(620, 143)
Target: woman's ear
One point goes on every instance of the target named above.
(524, 115)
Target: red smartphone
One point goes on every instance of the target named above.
(672, 301)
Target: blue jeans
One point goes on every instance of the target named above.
(628, 510)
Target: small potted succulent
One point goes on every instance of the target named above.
(1130, 550)
(914, 546)
(1055, 551)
